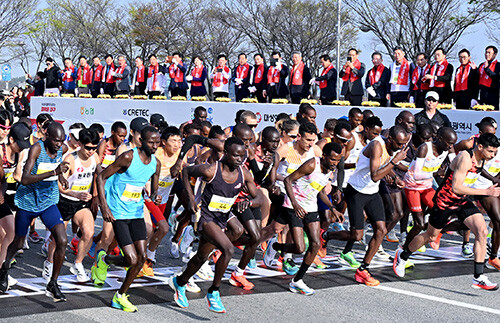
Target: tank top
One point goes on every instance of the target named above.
(166, 181)
(219, 196)
(9, 167)
(430, 166)
(124, 190)
(353, 156)
(290, 163)
(39, 196)
(82, 178)
(445, 198)
(361, 179)
(109, 154)
(306, 188)
(492, 166)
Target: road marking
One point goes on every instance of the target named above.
(440, 299)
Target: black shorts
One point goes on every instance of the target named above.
(129, 231)
(248, 214)
(221, 221)
(439, 218)
(277, 202)
(287, 216)
(68, 208)
(5, 210)
(358, 202)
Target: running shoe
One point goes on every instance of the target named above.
(300, 287)
(174, 250)
(12, 281)
(205, 272)
(319, 264)
(188, 255)
(214, 302)
(252, 264)
(54, 291)
(91, 253)
(172, 221)
(34, 237)
(147, 269)
(382, 255)
(409, 264)
(348, 260)
(391, 237)
(435, 244)
(306, 241)
(323, 242)
(47, 270)
(44, 249)
(99, 270)
(180, 292)
(192, 287)
(364, 277)
(13, 262)
(399, 265)
(263, 246)
(422, 249)
(187, 239)
(484, 283)
(467, 250)
(493, 264)
(216, 255)
(290, 267)
(402, 240)
(336, 226)
(116, 252)
(78, 270)
(270, 253)
(26, 246)
(240, 281)
(122, 303)
(74, 244)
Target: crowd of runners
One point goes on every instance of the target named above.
(285, 191)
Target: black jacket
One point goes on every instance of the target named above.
(52, 77)
(38, 85)
(330, 91)
(303, 89)
(439, 117)
(381, 87)
(472, 82)
(281, 89)
(356, 87)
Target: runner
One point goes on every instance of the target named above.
(225, 180)
(452, 198)
(376, 161)
(120, 188)
(37, 196)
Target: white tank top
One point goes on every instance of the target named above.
(492, 166)
(291, 162)
(82, 177)
(306, 188)
(361, 179)
(430, 166)
(353, 156)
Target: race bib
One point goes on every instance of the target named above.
(292, 168)
(108, 160)
(131, 193)
(493, 170)
(221, 204)
(80, 188)
(471, 179)
(47, 167)
(9, 175)
(165, 184)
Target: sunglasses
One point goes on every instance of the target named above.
(252, 126)
(431, 100)
(343, 139)
(291, 136)
(4, 127)
(90, 148)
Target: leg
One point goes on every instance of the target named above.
(7, 226)
(492, 207)
(250, 240)
(477, 225)
(84, 220)
(135, 255)
(107, 236)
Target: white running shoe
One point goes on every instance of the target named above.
(391, 236)
(402, 239)
(192, 287)
(174, 250)
(382, 255)
(11, 281)
(187, 238)
(47, 270)
(188, 255)
(468, 250)
(482, 282)
(270, 252)
(26, 245)
(399, 265)
(300, 287)
(205, 272)
(78, 270)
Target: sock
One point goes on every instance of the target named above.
(302, 271)
(118, 295)
(213, 289)
(478, 269)
(364, 266)
(180, 282)
(47, 235)
(464, 243)
(348, 247)
(238, 271)
(278, 246)
(405, 254)
(151, 255)
(287, 256)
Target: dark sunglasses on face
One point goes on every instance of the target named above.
(90, 148)
(291, 136)
(431, 100)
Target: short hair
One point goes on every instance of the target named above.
(483, 124)
(495, 50)
(275, 53)
(282, 116)
(191, 126)
(108, 55)
(289, 125)
(373, 122)
(464, 50)
(146, 130)
(232, 141)
(398, 48)
(139, 57)
(268, 131)
(89, 136)
(240, 128)
(238, 115)
(198, 109)
(394, 131)
(206, 123)
(96, 56)
(325, 57)
(307, 127)
(424, 129)
(50, 59)
(216, 131)
(66, 59)
(77, 125)
(303, 108)
(258, 54)
(490, 120)
(97, 127)
(152, 55)
(197, 57)
(118, 125)
(377, 53)
(330, 124)
(354, 111)
(247, 114)
(354, 49)
(441, 49)
(488, 140)
(242, 54)
(82, 56)
(221, 55)
(341, 125)
(424, 54)
(332, 146)
(178, 54)
(169, 132)
(296, 52)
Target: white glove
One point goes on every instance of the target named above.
(174, 61)
(473, 102)
(279, 65)
(252, 89)
(102, 91)
(113, 73)
(238, 81)
(189, 78)
(312, 81)
(412, 99)
(68, 74)
(371, 91)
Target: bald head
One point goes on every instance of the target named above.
(244, 132)
(55, 129)
(397, 132)
(406, 119)
(447, 133)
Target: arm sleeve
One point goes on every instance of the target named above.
(190, 141)
(341, 174)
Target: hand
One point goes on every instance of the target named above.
(242, 205)
(389, 179)
(336, 216)
(473, 65)
(108, 216)
(493, 190)
(268, 159)
(252, 89)
(279, 65)
(412, 99)
(192, 207)
(83, 196)
(62, 168)
(299, 211)
(427, 77)
(388, 97)
(264, 93)
(189, 78)
(371, 91)
(350, 64)
(101, 90)
(312, 81)
(158, 199)
(64, 182)
(399, 183)
(175, 170)
(275, 190)
(473, 103)
(400, 155)
(94, 205)
(337, 197)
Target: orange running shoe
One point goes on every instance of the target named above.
(240, 281)
(435, 244)
(318, 263)
(322, 248)
(263, 246)
(74, 244)
(364, 277)
(115, 252)
(147, 269)
(493, 264)
(240, 247)
(216, 255)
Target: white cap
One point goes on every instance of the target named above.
(432, 94)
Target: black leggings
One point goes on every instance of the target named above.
(358, 202)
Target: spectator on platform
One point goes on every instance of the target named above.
(197, 78)
(122, 76)
(431, 113)
(400, 78)
(300, 77)
(419, 88)
(466, 82)
(139, 80)
(84, 76)
(177, 71)
(96, 77)
(440, 75)
(276, 75)
(327, 81)
(51, 76)
(258, 79)
(68, 75)
(38, 83)
(351, 74)
(220, 78)
(377, 80)
(156, 77)
(489, 77)
(107, 76)
(241, 78)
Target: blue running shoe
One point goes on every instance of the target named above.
(180, 293)
(214, 302)
(252, 264)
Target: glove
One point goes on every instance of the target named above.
(113, 73)
(238, 81)
(252, 89)
(473, 103)
(412, 99)
(189, 78)
(312, 81)
(371, 91)
(101, 91)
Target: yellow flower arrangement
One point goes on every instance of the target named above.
(250, 100)
(445, 106)
(310, 101)
(51, 95)
(370, 104)
(341, 102)
(122, 96)
(68, 95)
(405, 105)
(178, 98)
(140, 97)
(483, 107)
(85, 95)
(279, 101)
(159, 97)
(104, 96)
(198, 98)
(223, 100)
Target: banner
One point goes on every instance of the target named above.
(106, 111)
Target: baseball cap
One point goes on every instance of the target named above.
(156, 119)
(21, 135)
(139, 123)
(432, 94)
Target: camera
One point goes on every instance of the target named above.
(273, 61)
(349, 58)
(219, 70)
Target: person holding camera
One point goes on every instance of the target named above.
(51, 76)
(220, 78)
(177, 71)
(299, 80)
(241, 78)
(258, 78)
(276, 75)
(351, 74)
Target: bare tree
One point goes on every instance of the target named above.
(14, 18)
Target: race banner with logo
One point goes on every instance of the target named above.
(106, 111)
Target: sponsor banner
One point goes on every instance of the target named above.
(107, 111)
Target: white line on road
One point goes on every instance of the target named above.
(440, 299)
